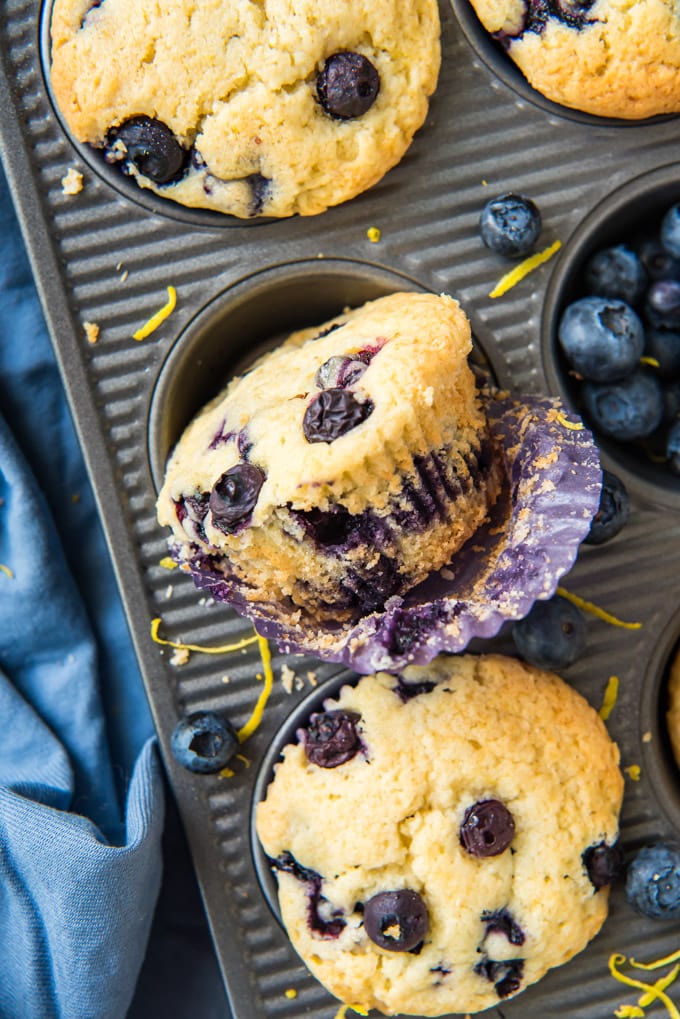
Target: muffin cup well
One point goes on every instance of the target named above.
(502, 66)
(658, 761)
(244, 321)
(630, 210)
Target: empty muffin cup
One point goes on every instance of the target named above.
(629, 219)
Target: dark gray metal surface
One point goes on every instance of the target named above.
(107, 256)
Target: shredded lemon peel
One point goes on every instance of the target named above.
(158, 318)
(660, 985)
(633, 771)
(628, 1012)
(658, 963)
(610, 697)
(167, 563)
(253, 722)
(650, 361)
(342, 1011)
(222, 649)
(374, 234)
(6, 570)
(651, 992)
(574, 426)
(290, 993)
(594, 610)
(512, 278)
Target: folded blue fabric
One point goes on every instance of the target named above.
(81, 796)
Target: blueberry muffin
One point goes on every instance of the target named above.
(242, 107)
(673, 713)
(340, 470)
(604, 57)
(444, 836)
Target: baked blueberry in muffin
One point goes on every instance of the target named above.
(246, 108)
(463, 850)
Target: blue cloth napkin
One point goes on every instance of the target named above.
(81, 788)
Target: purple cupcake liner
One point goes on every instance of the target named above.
(532, 537)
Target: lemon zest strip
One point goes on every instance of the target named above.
(513, 277)
(655, 992)
(374, 234)
(290, 993)
(342, 1011)
(588, 606)
(251, 725)
(628, 1012)
(159, 317)
(633, 772)
(6, 570)
(610, 696)
(651, 361)
(167, 563)
(223, 649)
(574, 426)
(242, 757)
(660, 985)
(658, 963)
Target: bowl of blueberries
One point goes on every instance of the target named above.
(611, 331)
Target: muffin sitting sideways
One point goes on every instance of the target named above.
(444, 836)
(246, 108)
(330, 483)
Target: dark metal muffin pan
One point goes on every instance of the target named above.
(107, 256)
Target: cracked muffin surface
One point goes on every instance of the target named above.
(610, 58)
(244, 107)
(444, 836)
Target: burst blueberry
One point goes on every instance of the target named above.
(348, 85)
(510, 225)
(150, 146)
(488, 828)
(629, 409)
(234, 496)
(333, 413)
(612, 513)
(603, 863)
(397, 921)
(204, 742)
(552, 635)
(331, 738)
(653, 881)
(602, 338)
(616, 272)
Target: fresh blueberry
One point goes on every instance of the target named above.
(629, 409)
(657, 262)
(333, 413)
(348, 85)
(150, 146)
(234, 495)
(670, 231)
(204, 742)
(396, 921)
(612, 513)
(662, 304)
(616, 272)
(602, 338)
(664, 346)
(653, 881)
(488, 828)
(603, 863)
(510, 225)
(673, 448)
(331, 738)
(552, 635)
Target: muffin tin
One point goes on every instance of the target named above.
(107, 256)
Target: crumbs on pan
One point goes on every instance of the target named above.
(180, 656)
(72, 182)
(91, 332)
